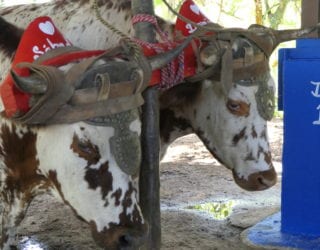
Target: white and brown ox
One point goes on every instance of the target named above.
(75, 159)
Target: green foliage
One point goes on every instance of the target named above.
(157, 2)
(278, 114)
(231, 7)
(283, 12)
(219, 210)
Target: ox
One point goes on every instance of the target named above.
(231, 121)
(76, 162)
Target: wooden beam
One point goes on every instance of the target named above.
(149, 173)
(310, 14)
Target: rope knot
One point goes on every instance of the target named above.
(171, 75)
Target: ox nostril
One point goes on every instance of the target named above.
(121, 237)
(132, 238)
(260, 180)
(125, 240)
(130, 241)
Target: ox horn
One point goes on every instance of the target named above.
(211, 55)
(280, 36)
(33, 84)
(268, 39)
(287, 35)
(161, 60)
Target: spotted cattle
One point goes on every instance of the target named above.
(230, 117)
(230, 126)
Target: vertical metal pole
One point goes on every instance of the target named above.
(149, 173)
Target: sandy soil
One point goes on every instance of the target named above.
(189, 175)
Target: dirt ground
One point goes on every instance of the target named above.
(189, 176)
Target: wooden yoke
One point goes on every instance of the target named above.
(149, 173)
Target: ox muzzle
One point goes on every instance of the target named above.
(120, 237)
(257, 181)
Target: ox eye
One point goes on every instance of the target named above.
(238, 108)
(233, 106)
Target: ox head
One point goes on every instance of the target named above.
(237, 99)
(87, 165)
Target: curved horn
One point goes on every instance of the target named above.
(161, 60)
(31, 84)
(268, 39)
(287, 35)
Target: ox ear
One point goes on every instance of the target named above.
(210, 55)
(10, 36)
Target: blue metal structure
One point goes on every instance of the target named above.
(298, 224)
(301, 159)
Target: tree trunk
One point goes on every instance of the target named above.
(259, 17)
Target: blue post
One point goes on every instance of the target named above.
(301, 151)
(298, 224)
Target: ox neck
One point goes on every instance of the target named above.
(176, 107)
(172, 126)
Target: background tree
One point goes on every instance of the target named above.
(274, 11)
(241, 13)
(259, 14)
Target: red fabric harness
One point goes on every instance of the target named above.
(49, 37)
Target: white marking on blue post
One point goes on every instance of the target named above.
(316, 92)
(318, 121)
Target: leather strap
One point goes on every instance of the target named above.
(81, 112)
(85, 91)
(57, 94)
(239, 69)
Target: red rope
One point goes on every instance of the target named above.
(150, 19)
(170, 75)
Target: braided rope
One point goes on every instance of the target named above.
(170, 76)
(153, 20)
(128, 40)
